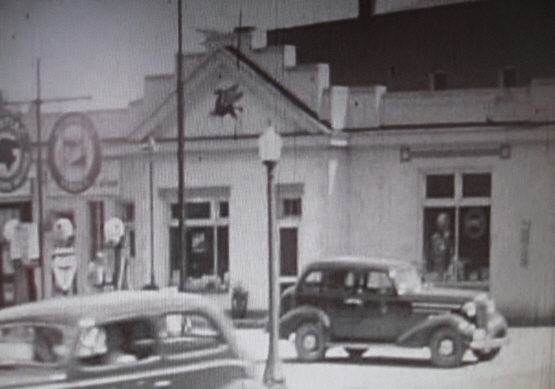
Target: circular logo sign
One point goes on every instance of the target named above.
(475, 223)
(15, 153)
(74, 153)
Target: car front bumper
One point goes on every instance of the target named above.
(493, 337)
(488, 343)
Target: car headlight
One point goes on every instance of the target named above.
(469, 309)
(490, 306)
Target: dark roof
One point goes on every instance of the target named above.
(470, 42)
(105, 306)
(359, 263)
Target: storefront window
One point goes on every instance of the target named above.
(207, 244)
(457, 210)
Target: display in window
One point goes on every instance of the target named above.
(440, 241)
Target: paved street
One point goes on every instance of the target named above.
(527, 362)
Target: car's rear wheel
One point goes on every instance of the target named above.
(310, 342)
(447, 347)
(355, 353)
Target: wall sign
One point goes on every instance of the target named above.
(15, 153)
(475, 223)
(74, 154)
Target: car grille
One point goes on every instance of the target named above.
(481, 316)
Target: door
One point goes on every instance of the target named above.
(382, 315)
(118, 355)
(288, 247)
(195, 353)
(340, 301)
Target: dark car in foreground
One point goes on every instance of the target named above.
(128, 339)
(355, 302)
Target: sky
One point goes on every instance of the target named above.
(105, 48)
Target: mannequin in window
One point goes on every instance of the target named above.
(441, 246)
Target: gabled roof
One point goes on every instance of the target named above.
(470, 42)
(165, 112)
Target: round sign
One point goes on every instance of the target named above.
(15, 153)
(475, 223)
(74, 153)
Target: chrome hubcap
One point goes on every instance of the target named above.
(446, 347)
(310, 342)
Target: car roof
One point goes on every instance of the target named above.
(360, 263)
(104, 307)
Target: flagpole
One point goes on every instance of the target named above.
(181, 249)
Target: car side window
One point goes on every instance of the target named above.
(341, 280)
(313, 281)
(184, 332)
(117, 343)
(24, 343)
(378, 282)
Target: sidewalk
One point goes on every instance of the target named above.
(527, 362)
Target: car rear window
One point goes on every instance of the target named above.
(29, 343)
(183, 332)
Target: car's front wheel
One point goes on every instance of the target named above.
(447, 347)
(310, 342)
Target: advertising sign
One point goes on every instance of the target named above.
(15, 153)
(74, 154)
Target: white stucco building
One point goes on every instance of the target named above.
(364, 171)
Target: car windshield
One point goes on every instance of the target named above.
(33, 344)
(407, 280)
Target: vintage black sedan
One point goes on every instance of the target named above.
(127, 339)
(355, 302)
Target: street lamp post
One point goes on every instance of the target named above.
(270, 153)
(150, 148)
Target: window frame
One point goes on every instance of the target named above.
(457, 202)
(214, 221)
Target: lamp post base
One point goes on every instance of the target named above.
(273, 376)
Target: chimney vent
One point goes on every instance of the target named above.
(366, 8)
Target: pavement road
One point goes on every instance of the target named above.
(527, 362)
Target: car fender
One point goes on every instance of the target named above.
(497, 323)
(295, 317)
(419, 335)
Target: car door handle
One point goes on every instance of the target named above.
(353, 301)
(162, 384)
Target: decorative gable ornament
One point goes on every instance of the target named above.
(226, 102)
